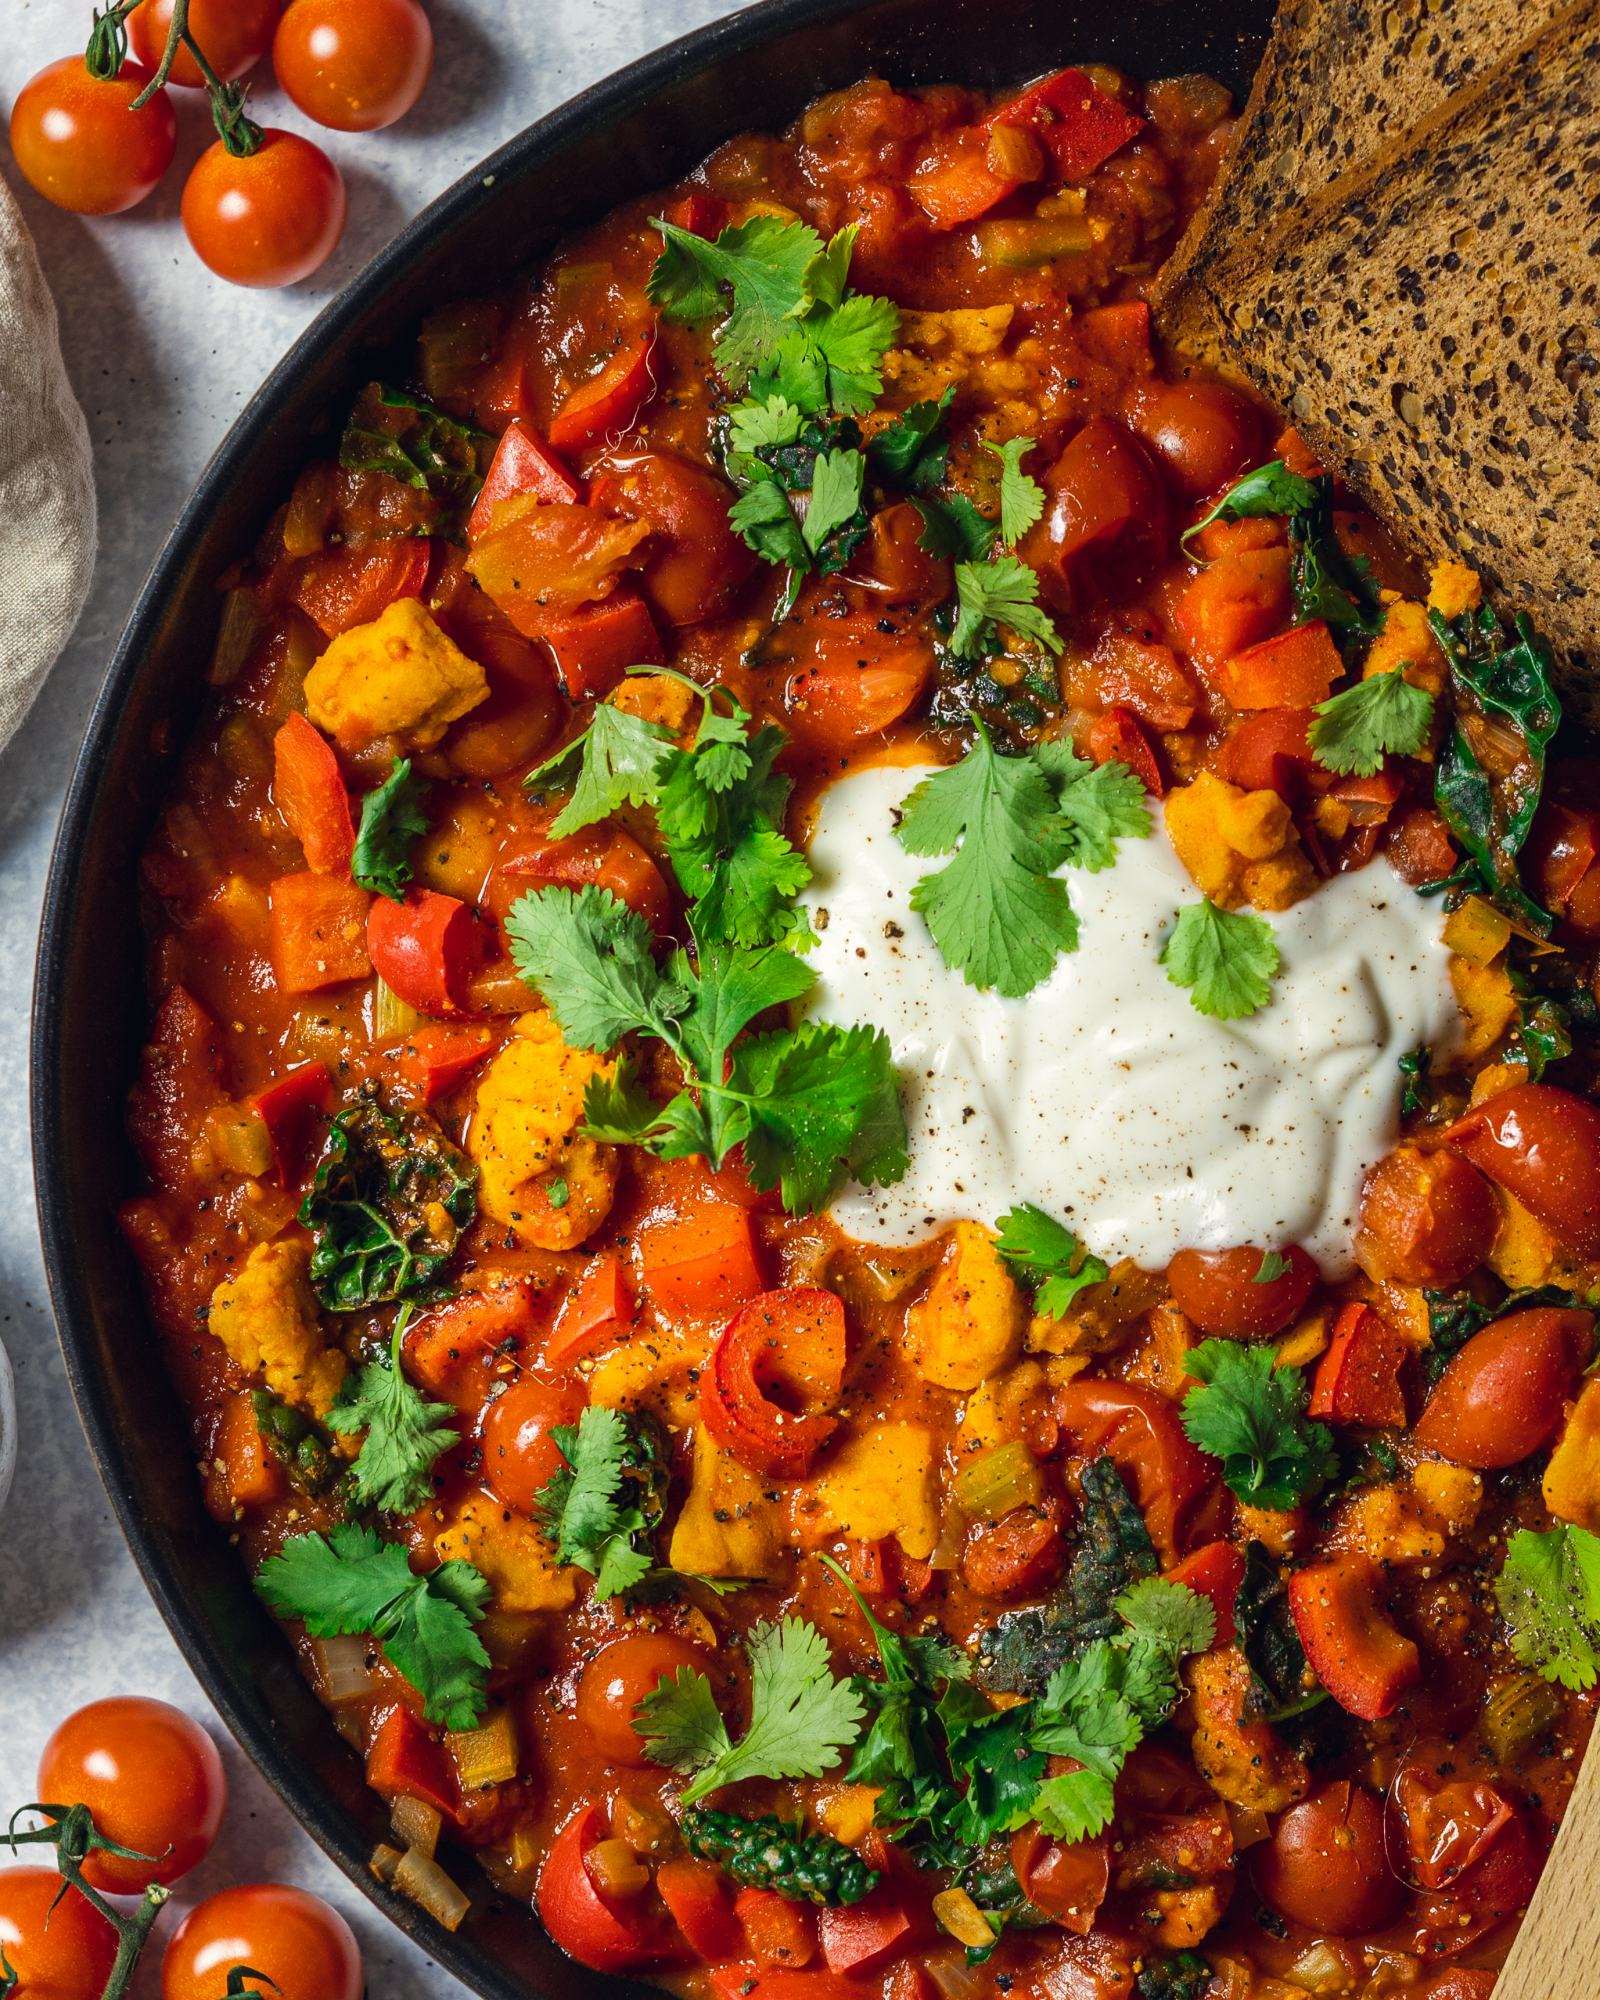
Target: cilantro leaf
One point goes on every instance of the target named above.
(849, 342)
(405, 1433)
(1268, 490)
(912, 450)
(1001, 592)
(763, 518)
(351, 1582)
(1044, 1252)
(835, 495)
(765, 264)
(617, 761)
(1225, 957)
(1021, 496)
(1548, 1592)
(1075, 1806)
(1250, 1413)
(801, 1718)
(997, 912)
(601, 1509)
(590, 957)
(1169, 1616)
(818, 1099)
(1100, 803)
(954, 527)
(391, 818)
(754, 426)
(1273, 1265)
(725, 839)
(1355, 730)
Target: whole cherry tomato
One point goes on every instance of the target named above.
(1225, 1291)
(354, 65)
(234, 35)
(696, 565)
(290, 1938)
(618, 1678)
(520, 1457)
(1325, 1866)
(1205, 432)
(1541, 1144)
(59, 1951)
(1104, 497)
(1426, 1219)
(1502, 1397)
(82, 146)
(152, 1779)
(266, 218)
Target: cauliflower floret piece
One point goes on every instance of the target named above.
(728, 1527)
(882, 1481)
(510, 1552)
(937, 348)
(1407, 642)
(1239, 846)
(265, 1315)
(658, 698)
(1454, 588)
(552, 1187)
(400, 676)
(1246, 1763)
(969, 1324)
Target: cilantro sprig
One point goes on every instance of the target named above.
(405, 1433)
(807, 1104)
(350, 1582)
(1021, 496)
(1250, 1413)
(998, 911)
(391, 819)
(1226, 958)
(1381, 716)
(802, 1719)
(1044, 1253)
(600, 1510)
(1548, 1592)
(1001, 593)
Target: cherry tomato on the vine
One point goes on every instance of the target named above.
(65, 1953)
(354, 65)
(151, 1778)
(81, 144)
(235, 34)
(283, 1934)
(264, 218)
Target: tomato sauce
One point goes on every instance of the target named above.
(1384, 1837)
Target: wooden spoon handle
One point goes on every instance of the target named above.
(1557, 1952)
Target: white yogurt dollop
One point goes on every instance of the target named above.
(1103, 1095)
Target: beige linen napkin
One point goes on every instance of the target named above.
(47, 521)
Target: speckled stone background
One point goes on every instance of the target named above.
(163, 356)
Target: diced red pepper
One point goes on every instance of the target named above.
(1270, 751)
(1296, 669)
(701, 1260)
(435, 1058)
(1355, 1649)
(342, 588)
(598, 1310)
(793, 1338)
(309, 790)
(245, 1472)
(1081, 125)
(290, 1110)
(780, 1933)
(609, 402)
(425, 948)
(522, 463)
(862, 1937)
(407, 1760)
(1358, 1379)
(607, 858)
(700, 212)
(468, 1327)
(1214, 1572)
(594, 647)
(697, 1897)
(318, 932)
(1119, 335)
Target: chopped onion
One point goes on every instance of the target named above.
(384, 1863)
(241, 623)
(955, 1979)
(390, 1014)
(990, 1483)
(643, 1825)
(1319, 1969)
(239, 1140)
(486, 1755)
(959, 1916)
(615, 1869)
(420, 1878)
(347, 1670)
(417, 1824)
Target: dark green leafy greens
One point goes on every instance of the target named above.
(399, 434)
(1183, 1976)
(297, 1441)
(768, 1853)
(1281, 1687)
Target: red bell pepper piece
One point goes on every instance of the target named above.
(1294, 670)
(343, 588)
(606, 1936)
(697, 1897)
(407, 1760)
(862, 1937)
(425, 948)
(289, 1108)
(594, 647)
(780, 1933)
(1068, 1880)
(605, 857)
(598, 1310)
(1146, 679)
(318, 932)
(701, 1260)
(1358, 1379)
(1232, 603)
(700, 212)
(749, 1981)
(1080, 125)
(1214, 1572)
(468, 1327)
(434, 1058)
(309, 790)
(794, 1338)
(522, 463)
(1270, 751)
(1360, 1656)
(609, 402)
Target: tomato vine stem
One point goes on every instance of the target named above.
(237, 131)
(74, 1836)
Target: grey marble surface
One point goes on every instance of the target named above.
(163, 356)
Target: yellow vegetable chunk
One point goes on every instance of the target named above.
(511, 1552)
(1246, 1763)
(1454, 588)
(1406, 645)
(1239, 846)
(535, 1173)
(658, 698)
(882, 1481)
(265, 1315)
(400, 677)
(969, 1324)
(1572, 1478)
(727, 1526)
(1488, 1004)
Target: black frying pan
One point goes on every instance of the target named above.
(642, 127)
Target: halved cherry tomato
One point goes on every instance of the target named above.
(520, 1456)
(1541, 1144)
(598, 1310)
(1495, 1887)
(1205, 432)
(151, 1777)
(353, 65)
(1440, 1825)
(1270, 751)
(522, 463)
(1141, 1432)
(308, 788)
(266, 218)
(1325, 1867)
(892, 566)
(793, 1339)
(853, 680)
(1420, 848)
(697, 1896)
(1104, 497)
(424, 948)
(1297, 669)
(1223, 1291)
(608, 402)
(607, 858)
(1361, 1657)
(1358, 1379)
(407, 1759)
(1067, 1880)
(235, 35)
(345, 587)
(1562, 853)
(700, 1258)
(59, 1951)
(291, 1109)
(618, 1678)
(544, 564)
(696, 565)
(1215, 1573)
(1118, 735)
(297, 1946)
(1501, 1398)
(78, 141)
(1427, 1219)
(604, 1934)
